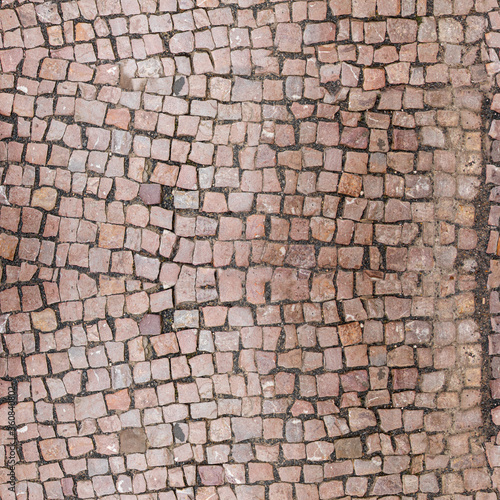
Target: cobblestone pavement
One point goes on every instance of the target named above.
(249, 250)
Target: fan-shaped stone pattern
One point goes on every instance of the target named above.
(239, 247)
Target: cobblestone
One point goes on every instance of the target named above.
(248, 251)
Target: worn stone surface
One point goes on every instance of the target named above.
(247, 249)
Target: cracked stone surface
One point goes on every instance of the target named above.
(250, 250)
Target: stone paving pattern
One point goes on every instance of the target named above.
(248, 248)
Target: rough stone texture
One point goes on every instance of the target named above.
(247, 249)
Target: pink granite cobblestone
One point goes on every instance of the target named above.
(243, 249)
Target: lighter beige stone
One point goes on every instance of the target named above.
(45, 198)
(45, 320)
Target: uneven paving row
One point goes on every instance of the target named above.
(249, 249)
